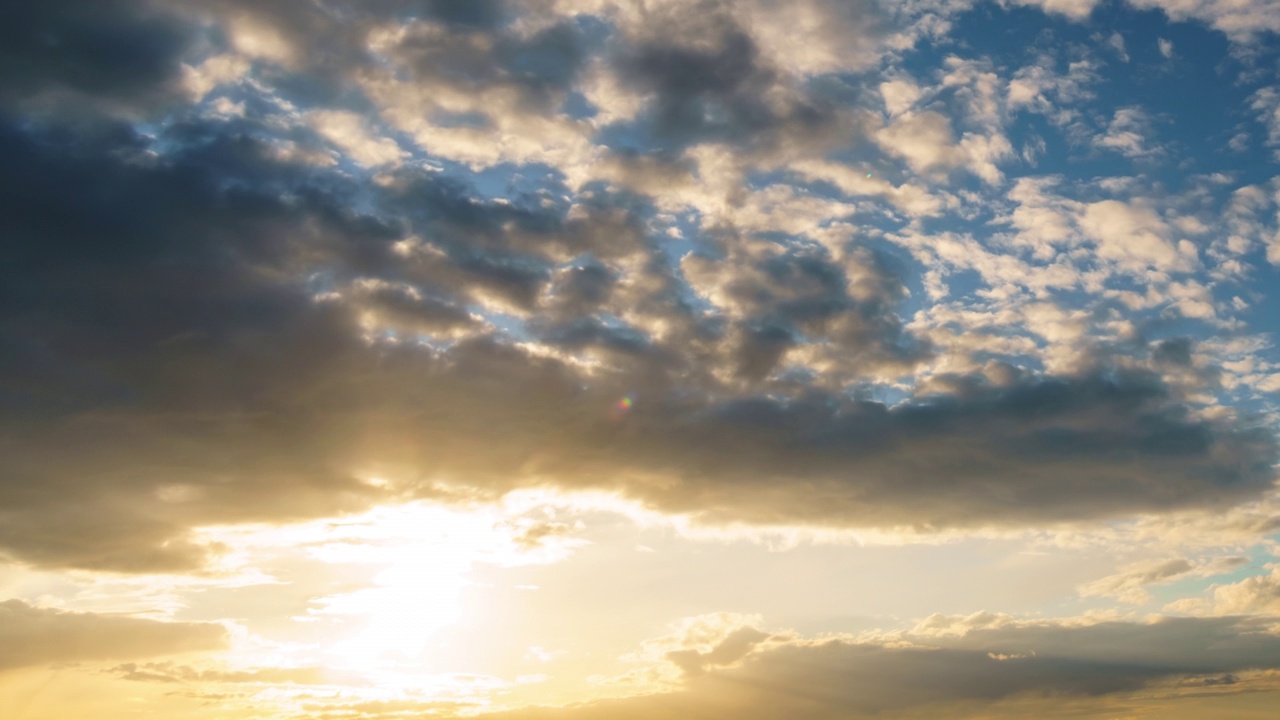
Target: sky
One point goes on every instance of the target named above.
(630, 359)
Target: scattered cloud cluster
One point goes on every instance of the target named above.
(213, 332)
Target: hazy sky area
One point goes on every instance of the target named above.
(639, 359)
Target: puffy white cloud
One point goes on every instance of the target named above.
(1074, 9)
(925, 140)
(349, 131)
(1258, 594)
(1129, 134)
(1132, 235)
(900, 94)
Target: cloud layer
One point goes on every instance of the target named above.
(246, 311)
(34, 636)
(960, 664)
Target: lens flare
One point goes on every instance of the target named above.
(622, 407)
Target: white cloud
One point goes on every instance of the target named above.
(1128, 134)
(218, 70)
(1116, 42)
(349, 132)
(1041, 89)
(1166, 47)
(1132, 235)
(1258, 594)
(926, 142)
(1241, 20)
(1266, 102)
(911, 198)
(1074, 9)
(1131, 583)
(899, 94)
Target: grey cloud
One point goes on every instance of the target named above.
(118, 54)
(1130, 585)
(737, 645)
(579, 290)
(145, 321)
(31, 636)
(168, 364)
(168, 367)
(1176, 351)
(403, 307)
(541, 67)
(759, 350)
(952, 677)
(320, 53)
(709, 82)
(472, 13)
(777, 296)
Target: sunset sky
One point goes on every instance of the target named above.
(632, 359)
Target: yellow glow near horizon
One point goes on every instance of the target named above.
(408, 566)
(425, 554)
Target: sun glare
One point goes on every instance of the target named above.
(402, 571)
(425, 555)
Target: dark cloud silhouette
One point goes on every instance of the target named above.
(117, 54)
(820, 680)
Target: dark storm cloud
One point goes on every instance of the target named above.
(118, 53)
(951, 677)
(144, 309)
(31, 636)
